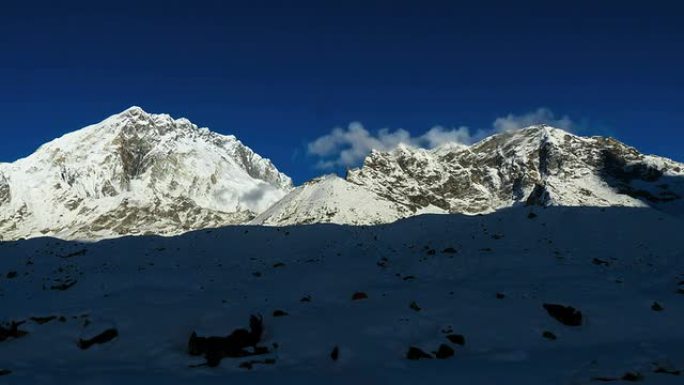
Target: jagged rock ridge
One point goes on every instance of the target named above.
(539, 165)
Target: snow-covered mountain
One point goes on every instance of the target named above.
(539, 165)
(139, 173)
(135, 173)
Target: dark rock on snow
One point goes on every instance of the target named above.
(567, 315)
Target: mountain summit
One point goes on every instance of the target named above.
(139, 173)
(135, 173)
(538, 165)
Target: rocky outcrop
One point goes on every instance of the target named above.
(538, 165)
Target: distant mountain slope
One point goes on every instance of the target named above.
(135, 173)
(331, 199)
(539, 165)
(426, 280)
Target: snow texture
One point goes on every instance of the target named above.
(485, 278)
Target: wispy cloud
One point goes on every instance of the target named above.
(513, 122)
(346, 147)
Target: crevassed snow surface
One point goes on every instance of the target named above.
(612, 264)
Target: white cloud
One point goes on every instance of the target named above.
(348, 147)
(438, 136)
(540, 116)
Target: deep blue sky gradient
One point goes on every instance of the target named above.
(280, 74)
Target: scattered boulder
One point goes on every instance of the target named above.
(4, 372)
(632, 377)
(600, 262)
(11, 331)
(250, 364)
(627, 377)
(78, 253)
(449, 250)
(665, 370)
(335, 354)
(11, 275)
(279, 313)
(65, 284)
(415, 353)
(657, 307)
(359, 295)
(680, 287)
(431, 252)
(549, 336)
(43, 320)
(444, 351)
(414, 306)
(306, 298)
(500, 295)
(531, 215)
(456, 339)
(567, 315)
(235, 345)
(101, 338)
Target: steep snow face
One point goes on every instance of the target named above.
(331, 199)
(135, 173)
(538, 165)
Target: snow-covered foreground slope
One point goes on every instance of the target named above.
(135, 173)
(538, 165)
(483, 277)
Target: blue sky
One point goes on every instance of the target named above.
(279, 75)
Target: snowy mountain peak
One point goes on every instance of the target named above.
(133, 173)
(538, 165)
(132, 111)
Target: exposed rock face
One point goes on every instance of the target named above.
(538, 166)
(5, 193)
(136, 173)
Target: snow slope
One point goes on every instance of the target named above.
(135, 173)
(483, 277)
(331, 199)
